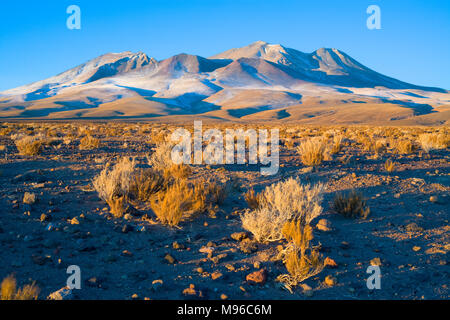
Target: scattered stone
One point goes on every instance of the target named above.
(45, 217)
(257, 277)
(216, 275)
(248, 246)
(330, 263)
(127, 253)
(128, 216)
(199, 270)
(307, 290)
(62, 294)
(223, 296)
(205, 249)
(416, 248)
(239, 236)
(330, 280)
(191, 291)
(413, 227)
(169, 259)
(156, 284)
(127, 228)
(135, 296)
(257, 265)
(211, 244)
(375, 262)
(29, 198)
(74, 221)
(434, 199)
(219, 257)
(324, 225)
(178, 246)
(230, 267)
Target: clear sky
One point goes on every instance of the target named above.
(413, 44)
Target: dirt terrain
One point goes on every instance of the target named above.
(407, 232)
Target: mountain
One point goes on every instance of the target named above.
(260, 81)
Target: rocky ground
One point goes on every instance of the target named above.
(407, 232)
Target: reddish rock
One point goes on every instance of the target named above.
(330, 263)
(257, 277)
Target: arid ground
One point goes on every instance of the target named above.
(176, 232)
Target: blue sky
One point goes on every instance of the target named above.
(413, 44)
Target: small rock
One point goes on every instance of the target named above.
(169, 259)
(324, 225)
(128, 216)
(257, 277)
(127, 228)
(375, 262)
(223, 296)
(62, 294)
(216, 275)
(416, 248)
(199, 270)
(330, 280)
(156, 284)
(239, 236)
(178, 246)
(328, 262)
(45, 217)
(74, 221)
(191, 291)
(257, 265)
(208, 250)
(434, 199)
(135, 296)
(248, 246)
(413, 227)
(29, 198)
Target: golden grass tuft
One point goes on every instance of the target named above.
(312, 151)
(89, 143)
(29, 145)
(351, 205)
(9, 291)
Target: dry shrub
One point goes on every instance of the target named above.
(336, 145)
(178, 202)
(252, 199)
(29, 145)
(389, 165)
(9, 290)
(113, 185)
(301, 261)
(404, 146)
(89, 143)
(433, 141)
(351, 205)
(178, 171)
(161, 158)
(311, 151)
(146, 183)
(279, 203)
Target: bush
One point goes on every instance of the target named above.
(279, 203)
(29, 145)
(146, 183)
(404, 146)
(301, 261)
(113, 185)
(433, 141)
(351, 205)
(312, 151)
(252, 199)
(178, 202)
(9, 290)
(161, 158)
(89, 143)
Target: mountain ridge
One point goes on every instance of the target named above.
(246, 76)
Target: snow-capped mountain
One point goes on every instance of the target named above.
(260, 81)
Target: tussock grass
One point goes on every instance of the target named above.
(351, 205)
(29, 145)
(9, 291)
(312, 151)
